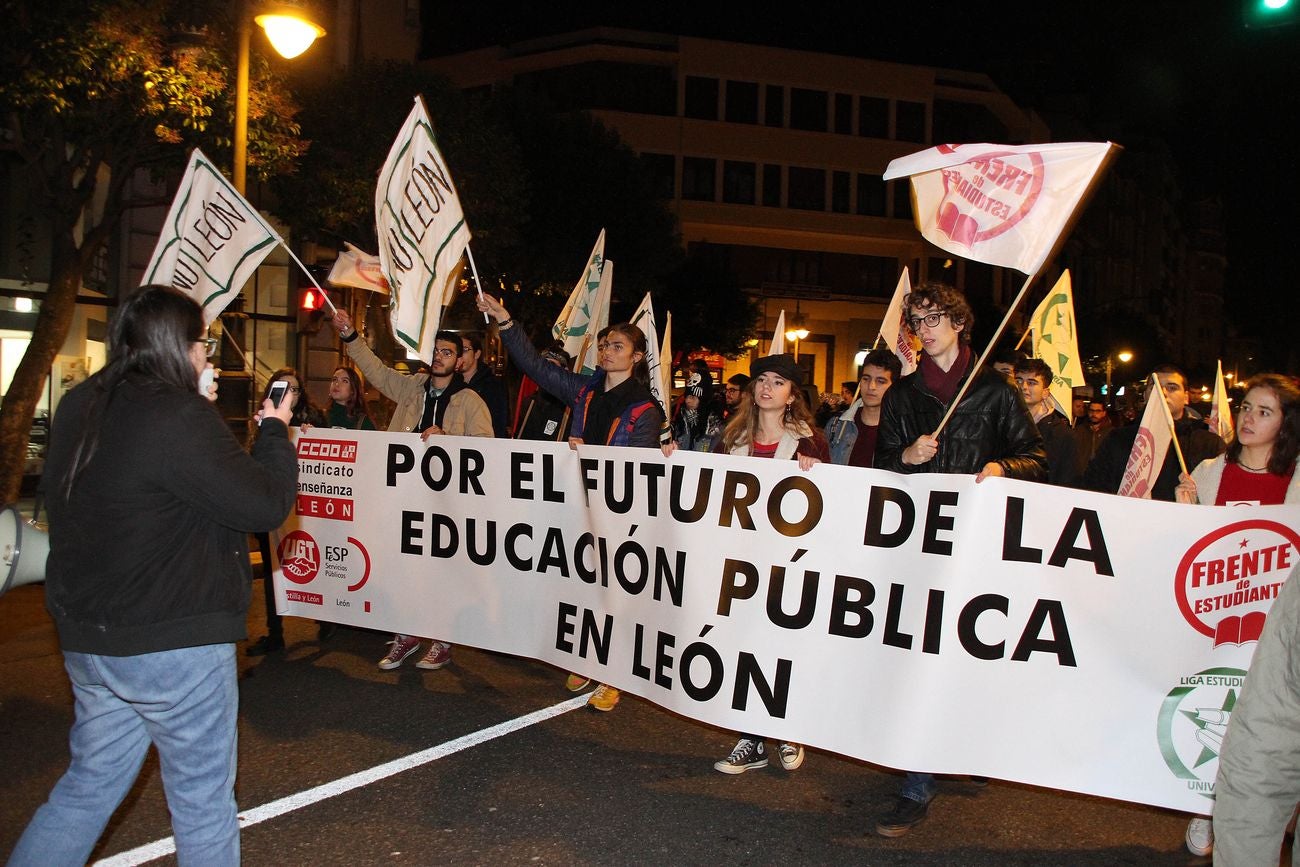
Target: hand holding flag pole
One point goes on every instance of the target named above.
(1010, 206)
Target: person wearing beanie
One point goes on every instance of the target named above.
(696, 424)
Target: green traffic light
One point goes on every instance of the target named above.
(1269, 13)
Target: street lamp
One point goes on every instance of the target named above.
(291, 33)
(1124, 356)
(798, 329)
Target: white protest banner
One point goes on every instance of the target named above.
(896, 336)
(1005, 629)
(574, 322)
(1001, 204)
(1056, 342)
(356, 268)
(422, 231)
(212, 240)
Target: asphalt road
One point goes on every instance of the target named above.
(635, 786)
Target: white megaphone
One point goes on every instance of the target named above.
(23, 549)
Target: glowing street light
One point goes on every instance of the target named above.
(291, 33)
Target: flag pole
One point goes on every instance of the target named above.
(1022, 337)
(323, 293)
(474, 270)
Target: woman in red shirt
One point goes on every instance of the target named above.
(1258, 469)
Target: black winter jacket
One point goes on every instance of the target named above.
(150, 551)
(1105, 473)
(991, 423)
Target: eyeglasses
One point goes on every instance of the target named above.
(930, 320)
(445, 353)
(731, 389)
(209, 345)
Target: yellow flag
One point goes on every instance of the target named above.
(1055, 340)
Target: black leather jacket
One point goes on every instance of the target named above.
(991, 423)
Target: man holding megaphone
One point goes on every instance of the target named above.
(151, 499)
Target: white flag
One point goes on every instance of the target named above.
(897, 337)
(1055, 341)
(356, 268)
(212, 241)
(778, 336)
(422, 231)
(1001, 204)
(1150, 446)
(574, 320)
(644, 318)
(1220, 410)
(587, 356)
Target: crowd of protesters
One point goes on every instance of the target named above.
(1002, 420)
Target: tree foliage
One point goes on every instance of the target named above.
(92, 91)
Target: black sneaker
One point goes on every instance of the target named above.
(264, 645)
(906, 815)
(747, 755)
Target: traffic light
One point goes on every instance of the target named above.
(311, 310)
(1269, 13)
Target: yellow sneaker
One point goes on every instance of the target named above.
(576, 682)
(604, 698)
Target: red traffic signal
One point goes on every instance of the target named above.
(310, 310)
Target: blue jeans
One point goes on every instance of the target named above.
(183, 701)
(919, 787)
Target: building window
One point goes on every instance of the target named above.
(840, 192)
(807, 189)
(843, 114)
(659, 168)
(701, 98)
(632, 87)
(873, 117)
(967, 121)
(742, 102)
(738, 183)
(909, 121)
(699, 178)
(772, 186)
(871, 196)
(902, 199)
(808, 109)
(774, 105)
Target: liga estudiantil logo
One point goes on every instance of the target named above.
(1192, 722)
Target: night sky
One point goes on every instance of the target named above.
(1223, 97)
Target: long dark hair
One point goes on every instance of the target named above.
(1286, 447)
(356, 407)
(640, 370)
(304, 412)
(150, 337)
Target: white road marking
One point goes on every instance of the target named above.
(167, 846)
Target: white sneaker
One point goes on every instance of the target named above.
(1200, 835)
(791, 756)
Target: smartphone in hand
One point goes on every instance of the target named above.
(278, 390)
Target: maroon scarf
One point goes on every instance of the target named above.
(944, 384)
